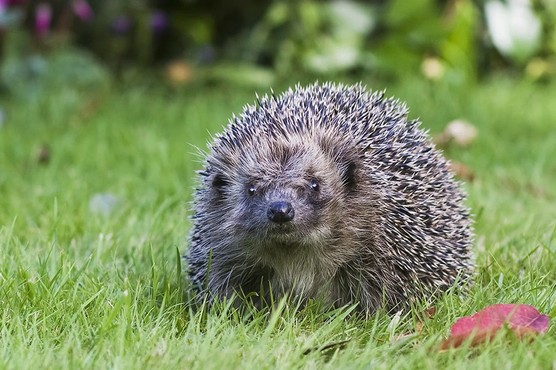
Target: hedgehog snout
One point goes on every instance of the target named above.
(280, 211)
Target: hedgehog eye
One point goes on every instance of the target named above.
(252, 190)
(314, 185)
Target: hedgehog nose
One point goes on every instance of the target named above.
(280, 212)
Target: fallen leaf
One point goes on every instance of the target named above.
(418, 326)
(458, 131)
(430, 312)
(523, 320)
(179, 72)
(43, 154)
(462, 171)
(432, 68)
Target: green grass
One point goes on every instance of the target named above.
(86, 290)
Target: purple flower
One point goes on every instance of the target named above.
(121, 25)
(159, 21)
(83, 10)
(6, 3)
(43, 16)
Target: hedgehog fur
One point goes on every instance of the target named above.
(328, 192)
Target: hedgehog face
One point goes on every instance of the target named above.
(285, 198)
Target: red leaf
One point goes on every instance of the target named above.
(521, 319)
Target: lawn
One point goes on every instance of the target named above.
(81, 288)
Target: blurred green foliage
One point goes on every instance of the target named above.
(257, 42)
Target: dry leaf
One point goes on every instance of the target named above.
(430, 312)
(462, 171)
(43, 154)
(432, 68)
(179, 72)
(460, 132)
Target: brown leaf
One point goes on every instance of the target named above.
(43, 154)
(462, 171)
(430, 312)
(459, 132)
(179, 72)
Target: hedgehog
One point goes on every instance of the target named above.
(328, 192)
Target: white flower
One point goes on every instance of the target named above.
(514, 28)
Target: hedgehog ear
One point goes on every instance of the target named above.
(219, 181)
(349, 174)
